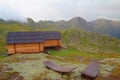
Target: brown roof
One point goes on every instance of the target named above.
(31, 37)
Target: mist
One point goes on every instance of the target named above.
(58, 9)
(9, 14)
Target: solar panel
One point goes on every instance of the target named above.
(29, 37)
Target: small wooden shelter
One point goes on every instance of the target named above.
(29, 42)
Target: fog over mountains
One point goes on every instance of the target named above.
(100, 26)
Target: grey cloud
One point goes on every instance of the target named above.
(60, 9)
(91, 9)
(7, 13)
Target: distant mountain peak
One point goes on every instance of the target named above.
(78, 19)
(78, 22)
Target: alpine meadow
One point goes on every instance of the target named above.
(59, 40)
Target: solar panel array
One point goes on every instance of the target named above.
(31, 37)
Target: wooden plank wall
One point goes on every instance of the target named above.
(51, 43)
(25, 48)
(32, 47)
(41, 47)
(22, 48)
(11, 48)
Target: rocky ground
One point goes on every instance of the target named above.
(31, 67)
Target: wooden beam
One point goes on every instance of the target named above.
(39, 46)
(15, 48)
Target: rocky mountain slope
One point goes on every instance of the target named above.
(100, 26)
(75, 33)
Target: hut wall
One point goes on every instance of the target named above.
(25, 48)
(32, 47)
(41, 47)
(51, 43)
(58, 42)
(11, 48)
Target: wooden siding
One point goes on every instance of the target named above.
(51, 43)
(25, 48)
(41, 47)
(11, 48)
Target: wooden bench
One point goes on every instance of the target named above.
(91, 71)
(55, 67)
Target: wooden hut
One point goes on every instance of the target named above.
(52, 39)
(31, 42)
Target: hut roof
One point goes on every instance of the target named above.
(31, 37)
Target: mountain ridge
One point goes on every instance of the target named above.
(100, 25)
(71, 36)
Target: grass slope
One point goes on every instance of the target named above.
(90, 42)
(73, 53)
(72, 38)
(81, 47)
(7, 27)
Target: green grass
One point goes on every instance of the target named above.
(87, 42)
(2, 57)
(70, 52)
(90, 40)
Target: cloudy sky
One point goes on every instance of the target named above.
(59, 9)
